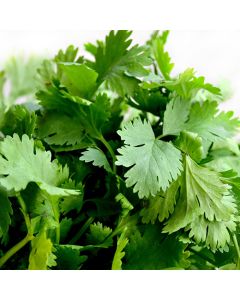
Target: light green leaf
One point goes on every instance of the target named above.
(161, 56)
(216, 234)
(79, 79)
(97, 157)
(191, 144)
(187, 85)
(21, 163)
(175, 116)
(98, 234)
(154, 163)
(117, 64)
(161, 206)
(41, 256)
(205, 120)
(119, 253)
(201, 193)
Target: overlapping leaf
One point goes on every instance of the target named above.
(154, 163)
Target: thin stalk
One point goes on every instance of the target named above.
(161, 136)
(235, 242)
(209, 260)
(110, 150)
(15, 249)
(24, 212)
(81, 231)
(27, 238)
(56, 216)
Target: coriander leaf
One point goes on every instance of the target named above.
(155, 164)
(161, 56)
(205, 120)
(99, 234)
(187, 85)
(55, 97)
(175, 116)
(79, 79)
(119, 253)
(94, 116)
(201, 193)
(149, 101)
(153, 250)
(5, 212)
(97, 157)
(125, 204)
(161, 206)
(22, 122)
(72, 202)
(60, 129)
(41, 256)
(21, 77)
(191, 144)
(21, 163)
(117, 64)
(69, 258)
(216, 234)
(69, 55)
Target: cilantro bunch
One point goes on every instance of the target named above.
(114, 163)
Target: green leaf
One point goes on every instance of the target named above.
(205, 120)
(155, 164)
(94, 116)
(21, 163)
(65, 227)
(161, 206)
(79, 79)
(117, 64)
(22, 122)
(5, 212)
(201, 193)
(175, 116)
(72, 202)
(216, 234)
(98, 234)
(59, 129)
(187, 85)
(69, 258)
(125, 204)
(191, 144)
(153, 250)
(202, 118)
(149, 101)
(119, 253)
(97, 157)
(161, 56)
(21, 76)
(41, 256)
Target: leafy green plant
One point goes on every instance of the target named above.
(117, 164)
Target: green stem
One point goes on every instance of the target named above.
(110, 150)
(56, 216)
(235, 241)
(81, 231)
(161, 136)
(24, 241)
(15, 249)
(25, 214)
(209, 260)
